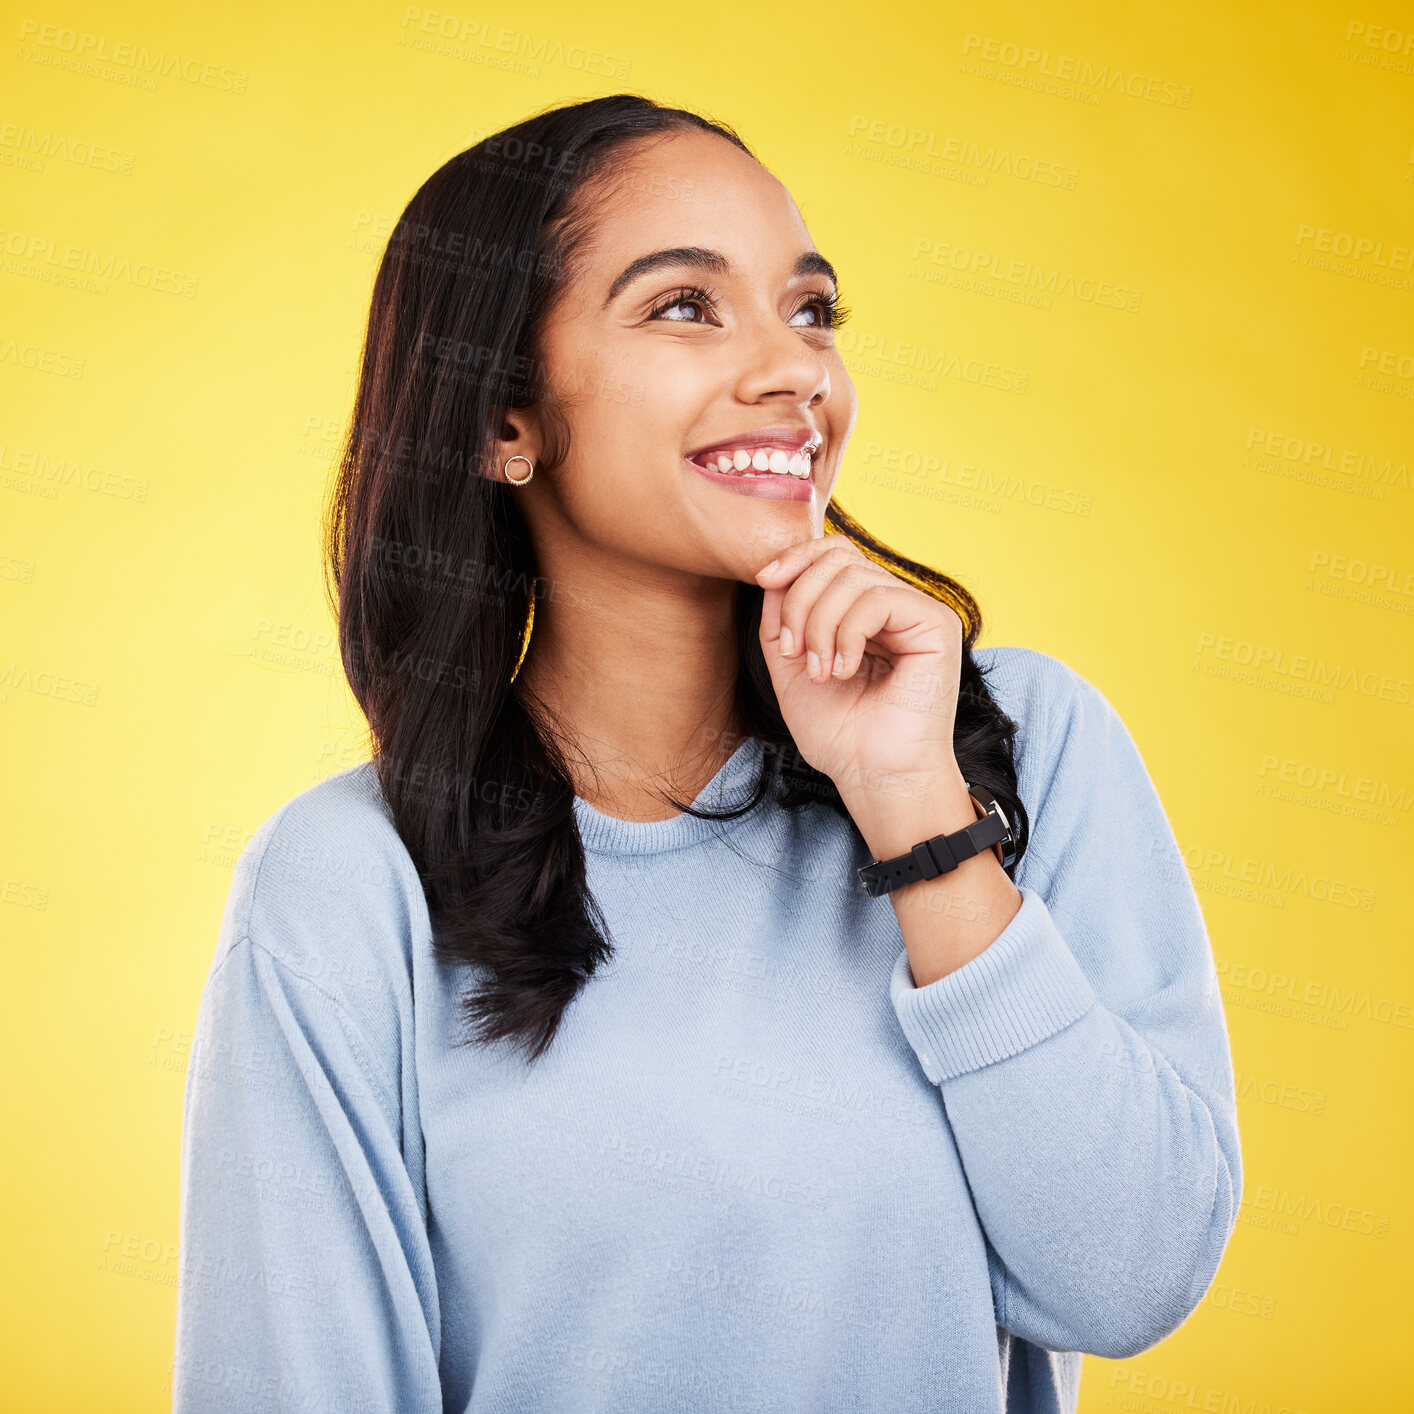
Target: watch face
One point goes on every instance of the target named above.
(990, 805)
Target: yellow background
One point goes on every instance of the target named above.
(169, 675)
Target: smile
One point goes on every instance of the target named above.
(778, 467)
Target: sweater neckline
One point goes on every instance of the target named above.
(732, 785)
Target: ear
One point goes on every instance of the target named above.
(516, 433)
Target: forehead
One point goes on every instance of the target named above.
(692, 189)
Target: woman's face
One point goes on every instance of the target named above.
(720, 341)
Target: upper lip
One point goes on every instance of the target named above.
(788, 439)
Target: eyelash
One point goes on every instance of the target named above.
(835, 312)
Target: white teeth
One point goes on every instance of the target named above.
(772, 461)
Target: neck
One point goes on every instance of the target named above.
(639, 677)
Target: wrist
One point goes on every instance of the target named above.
(893, 821)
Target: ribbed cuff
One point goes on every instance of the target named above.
(1024, 987)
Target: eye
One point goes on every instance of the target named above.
(829, 312)
(824, 308)
(684, 298)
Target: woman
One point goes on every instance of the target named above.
(739, 994)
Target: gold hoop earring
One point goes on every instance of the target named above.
(518, 480)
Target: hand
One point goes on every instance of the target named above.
(882, 723)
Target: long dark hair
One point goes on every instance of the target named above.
(434, 575)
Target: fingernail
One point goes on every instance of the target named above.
(812, 662)
(839, 664)
(787, 641)
(766, 569)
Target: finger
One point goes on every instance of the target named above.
(794, 558)
(867, 618)
(783, 670)
(770, 634)
(811, 582)
(777, 577)
(771, 615)
(900, 620)
(829, 606)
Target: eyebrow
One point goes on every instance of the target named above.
(811, 263)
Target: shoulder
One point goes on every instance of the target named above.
(327, 887)
(1041, 694)
(1061, 717)
(1073, 751)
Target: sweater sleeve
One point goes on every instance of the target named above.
(1084, 1063)
(306, 1278)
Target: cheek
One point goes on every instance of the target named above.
(674, 383)
(626, 437)
(644, 407)
(650, 381)
(844, 402)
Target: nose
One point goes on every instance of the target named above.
(778, 363)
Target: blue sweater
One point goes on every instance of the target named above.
(758, 1169)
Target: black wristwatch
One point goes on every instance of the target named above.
(943, 853)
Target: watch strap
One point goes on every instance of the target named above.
(939, 855)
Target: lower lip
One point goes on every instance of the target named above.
(778, 486)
